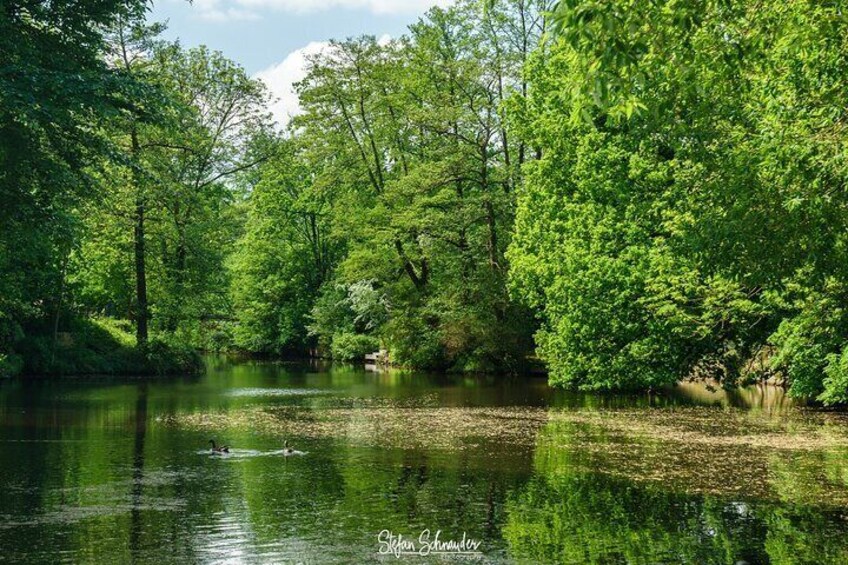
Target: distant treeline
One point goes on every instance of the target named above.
(639, 191)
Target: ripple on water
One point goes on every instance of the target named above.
(232, 453)
(276, 392)
(236, 454)
(285, 453)
(70, 514)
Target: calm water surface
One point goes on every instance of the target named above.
(105, 470)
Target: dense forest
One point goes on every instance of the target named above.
(638, 191)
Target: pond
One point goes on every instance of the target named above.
(120, 470)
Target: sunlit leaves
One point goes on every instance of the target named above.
(688, 202)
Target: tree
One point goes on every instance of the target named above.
(285, 253)
(56, 93)
(176, 198)
(413, 137)
(686, 216)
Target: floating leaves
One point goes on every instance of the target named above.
(798, 455)
(379, 422)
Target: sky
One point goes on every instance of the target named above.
(270, 38)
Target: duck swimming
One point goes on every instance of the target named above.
(216, 449)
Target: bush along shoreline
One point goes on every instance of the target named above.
(99, 346)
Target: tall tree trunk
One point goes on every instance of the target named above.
(489, 207)
(143, 311)
(524, 53)
(62, 274)
(493, 235)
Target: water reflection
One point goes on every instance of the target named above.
(120, 471)
(773, 399)
(595, 518)
(138, 469)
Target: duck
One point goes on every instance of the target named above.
(216, 449)
(286, 449)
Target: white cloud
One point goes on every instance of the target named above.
(281, 77)
(229, 15)
(224, 10)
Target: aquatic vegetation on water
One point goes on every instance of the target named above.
(275, 392)
(797, 457)
(123, 470)
(399, 426)
(800, 455)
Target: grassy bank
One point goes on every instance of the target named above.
(97, 346)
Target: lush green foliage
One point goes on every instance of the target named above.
(114, 156)
(656, 189)
(56, 92)
(688, 212)
(383, 217)
(284, 255)
(104, 346)
(182, 168)
(409, 139)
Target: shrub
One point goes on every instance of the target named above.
(351, 347)
(104, 346)
(10, 364)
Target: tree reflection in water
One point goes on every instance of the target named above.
(105, 469)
